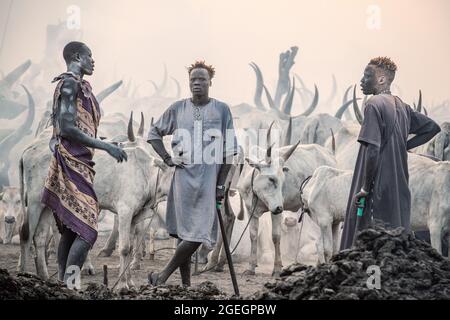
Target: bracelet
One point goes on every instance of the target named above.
(362, 190)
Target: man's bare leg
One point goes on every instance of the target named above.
(181, 259)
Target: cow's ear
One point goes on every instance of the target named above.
(252, 163)
(285, 169)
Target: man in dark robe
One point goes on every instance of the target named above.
(381, 170)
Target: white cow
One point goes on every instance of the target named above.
(327, 193)
(11, 214)
(122, 188)
(275, 187)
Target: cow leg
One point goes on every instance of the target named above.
(276, 238)
(336, 242)
(253, 230)
(151, 245)
(139, 236)
(327, 240)
(40, 241)
(34, 211)
(125, 218)
(436, 237)
(110, 244)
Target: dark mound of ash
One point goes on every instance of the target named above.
(204, 291)
(30, 287)
(409, 269)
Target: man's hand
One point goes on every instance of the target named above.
(116, 152)
(220, 193)
(171, 163)
(362, 194)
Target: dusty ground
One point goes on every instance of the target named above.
(9, 255)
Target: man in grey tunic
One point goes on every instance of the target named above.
(381, 170)
(203, 143)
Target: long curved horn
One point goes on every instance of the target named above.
(10, 109)
(345, 99)
(268, 137)
(419, 104)
(287, 105)
(14, 75)
(106, 92)
(425, 111)
(259, 86)
(358, 113)
(178, 95)
(151, 121)
(269, 98)
(141, 126)
(155, 86)
(330, 99)
(343, 108)
(290, 151)
(269, 154)
(313, 103)
(14, 137)
(333, 142)
(130, 131)
(287, 138)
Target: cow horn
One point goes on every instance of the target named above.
(178, 95)
(287, 138)
(345, 99)
(313, 103)
(343, 108)
(151, 121)
(106, 92)
(358, 113)
(425, 111)
(155, 86)
(259, 86)
(130, 131)
(268, 138)
(14, 75)
(269, 154)
(419, 104)
(330, 99)
(269, 98)
(287, 105)
(290, 151)
(333, 142)
(141, 126)
(14, 137)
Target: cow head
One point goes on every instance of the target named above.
(10, 211)
(268, 179)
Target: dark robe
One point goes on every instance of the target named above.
(386, 125)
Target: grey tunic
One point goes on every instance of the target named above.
(387, 126)
(202, 137)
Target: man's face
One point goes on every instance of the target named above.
(199, 82)
(369, 81)
(86, 61)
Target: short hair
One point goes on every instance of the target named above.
(386, 65)
(72, 48)
(203, 65)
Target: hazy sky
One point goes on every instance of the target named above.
(134, 38)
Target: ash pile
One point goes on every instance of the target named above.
(409, 269)
(31, 287)
(203, 291)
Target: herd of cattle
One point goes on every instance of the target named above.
(279, 152)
